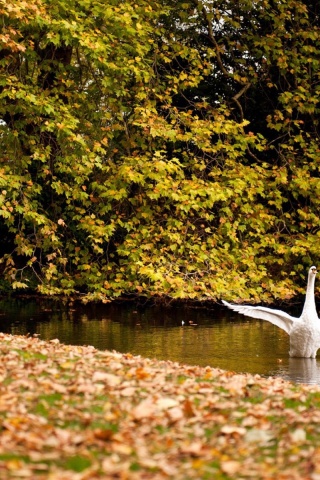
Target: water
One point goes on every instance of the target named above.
(218, 337)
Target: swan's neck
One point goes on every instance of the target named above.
(309, 308)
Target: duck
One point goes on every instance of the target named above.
(304, 331)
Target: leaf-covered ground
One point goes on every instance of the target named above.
(76, 413)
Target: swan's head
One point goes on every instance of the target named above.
(313, 270)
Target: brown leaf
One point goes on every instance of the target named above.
(231, 467)
(145, 409)
(231, 430)
(103, 434)
(188, 408)
(108, 378)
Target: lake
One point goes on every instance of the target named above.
(216, 337)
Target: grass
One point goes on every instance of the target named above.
(76, 413)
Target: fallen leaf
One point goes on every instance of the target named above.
(108, 378)
(258, 436)
(231, 430)
(231, 467)
(145, 409)
(165, 403)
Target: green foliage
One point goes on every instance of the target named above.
(159, 148)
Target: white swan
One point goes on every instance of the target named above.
(304, 331)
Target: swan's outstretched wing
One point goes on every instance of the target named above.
(277, 317)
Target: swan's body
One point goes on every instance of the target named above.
(304, 331)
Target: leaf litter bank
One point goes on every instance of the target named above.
(74, 412)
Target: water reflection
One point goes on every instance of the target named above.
(218, 338)
(304, 370)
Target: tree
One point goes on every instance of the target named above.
(161, 148)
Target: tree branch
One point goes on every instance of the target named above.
(236, 97)
(223, 69)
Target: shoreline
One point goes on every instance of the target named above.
(152, 301)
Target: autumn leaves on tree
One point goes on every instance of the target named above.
(159, 148)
